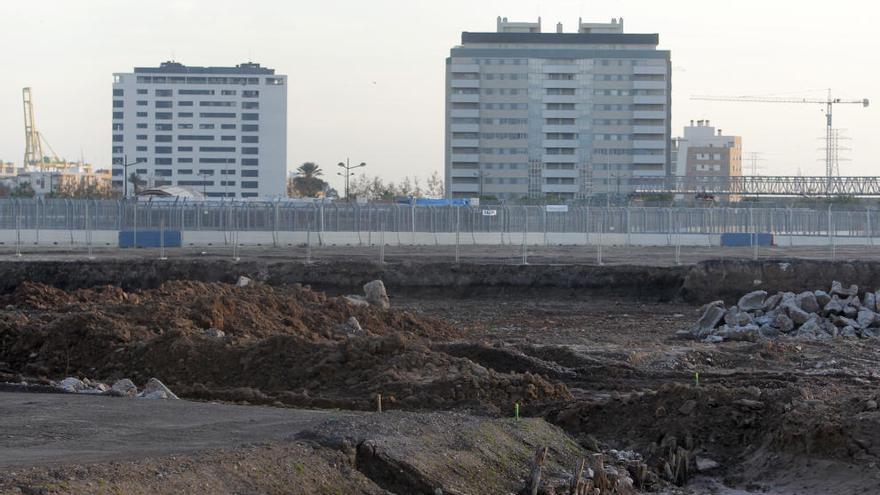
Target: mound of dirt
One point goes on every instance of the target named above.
(257, 343)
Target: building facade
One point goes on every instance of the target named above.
(705, 151)
(219, 130)
(556, 115)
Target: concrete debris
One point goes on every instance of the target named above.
(352, 327)
(243, 281)
(356, 301)
(214, 333)
(124, 387)
(375, 294)
(752, 301)
(157, 390)
(809, 315)
(72, 385)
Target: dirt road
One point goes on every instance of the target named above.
(44, 429)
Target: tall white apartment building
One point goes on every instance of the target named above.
(219, 130)
(556, 115)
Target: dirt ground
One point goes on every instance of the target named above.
(781, 417)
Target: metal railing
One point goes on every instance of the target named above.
(76, 215)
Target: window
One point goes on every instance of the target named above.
(185, 160)
(227, 172)
(163, 115)
(206, 126)
(117, 103)
(163, 92)
(184, 171)
(118, 149)
(190, 137)
(141, 137)
(205, 171)
(250, 128)
(249, 184)
(185, 115)
(118, 115)
(250, 151)
(227, 126)
(184, 126)
(227, 182)
(163, 161)
(142, 103)
(216, 103)
(163, 104)
(249, 195)
(184, 103)
(139, 114)
(141, 148)
(216, 160)
(195, 183)
(248, 139)
(228, 92)
(117, 127)
(250, 105)
(250, 94)
(142, 91)
(163, 127)
(195, 91)
(227, 138)
(250, 161)
(141, 171)
(250, 173)
(162, 150)
(250, 116)
(163, 139)
(184, 149)
(274, 81)
(218, 149)
(217, 115)
(142, 125)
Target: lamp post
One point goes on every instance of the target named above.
(125, 165)
(348, 173)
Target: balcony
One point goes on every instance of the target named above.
(465, 83)
(561, 173)
(560, 128)
(550, 83)
(640, 114)
(649, 84)
(560, 158)
(466, 143)
(648, 129)
(649, 159)
(469, 158)
(559, 188)
(464, 98)
(559, 114)
(458, 112)
(560, 143)
(464, 68)
(649, 99)
(562, 99)
(649, 69)
(560, 69)
(458, 172)
(464, 127)
(650, 144)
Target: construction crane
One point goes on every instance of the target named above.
(34, 141)
(829, 103)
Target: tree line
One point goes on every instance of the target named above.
(308, 183)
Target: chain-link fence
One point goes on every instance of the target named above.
(70, 214)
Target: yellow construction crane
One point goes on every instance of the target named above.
(829, 103)
(34, 141)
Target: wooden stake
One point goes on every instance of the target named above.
(379, 402)
(576, 482)
(537, 465)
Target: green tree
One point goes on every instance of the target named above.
(308, 182)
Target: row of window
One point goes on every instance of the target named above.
(168, 127)
(247, 105)
(251, 162)
(203, 115)
(160, 138)
(629, 92)
(270, 81)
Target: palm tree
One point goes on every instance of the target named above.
(307, 182)
(309, 170)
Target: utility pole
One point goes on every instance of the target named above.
(348, 167)
(125, 165)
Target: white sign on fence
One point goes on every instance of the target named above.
(490, 213)
(556, 208)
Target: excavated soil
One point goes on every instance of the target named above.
(287, 345)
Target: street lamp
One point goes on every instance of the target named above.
(348, 173)
(125, 165)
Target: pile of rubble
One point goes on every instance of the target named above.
(154, 389)
(840, 312)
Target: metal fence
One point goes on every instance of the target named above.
(70, 214)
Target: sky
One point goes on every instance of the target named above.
(366, 78)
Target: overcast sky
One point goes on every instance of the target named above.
(366, 78)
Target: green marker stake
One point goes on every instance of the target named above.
(697, 378)
(516, 411)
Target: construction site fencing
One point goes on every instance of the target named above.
(72, 214)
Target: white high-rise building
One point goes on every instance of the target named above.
(556, 115)
(221, 131)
